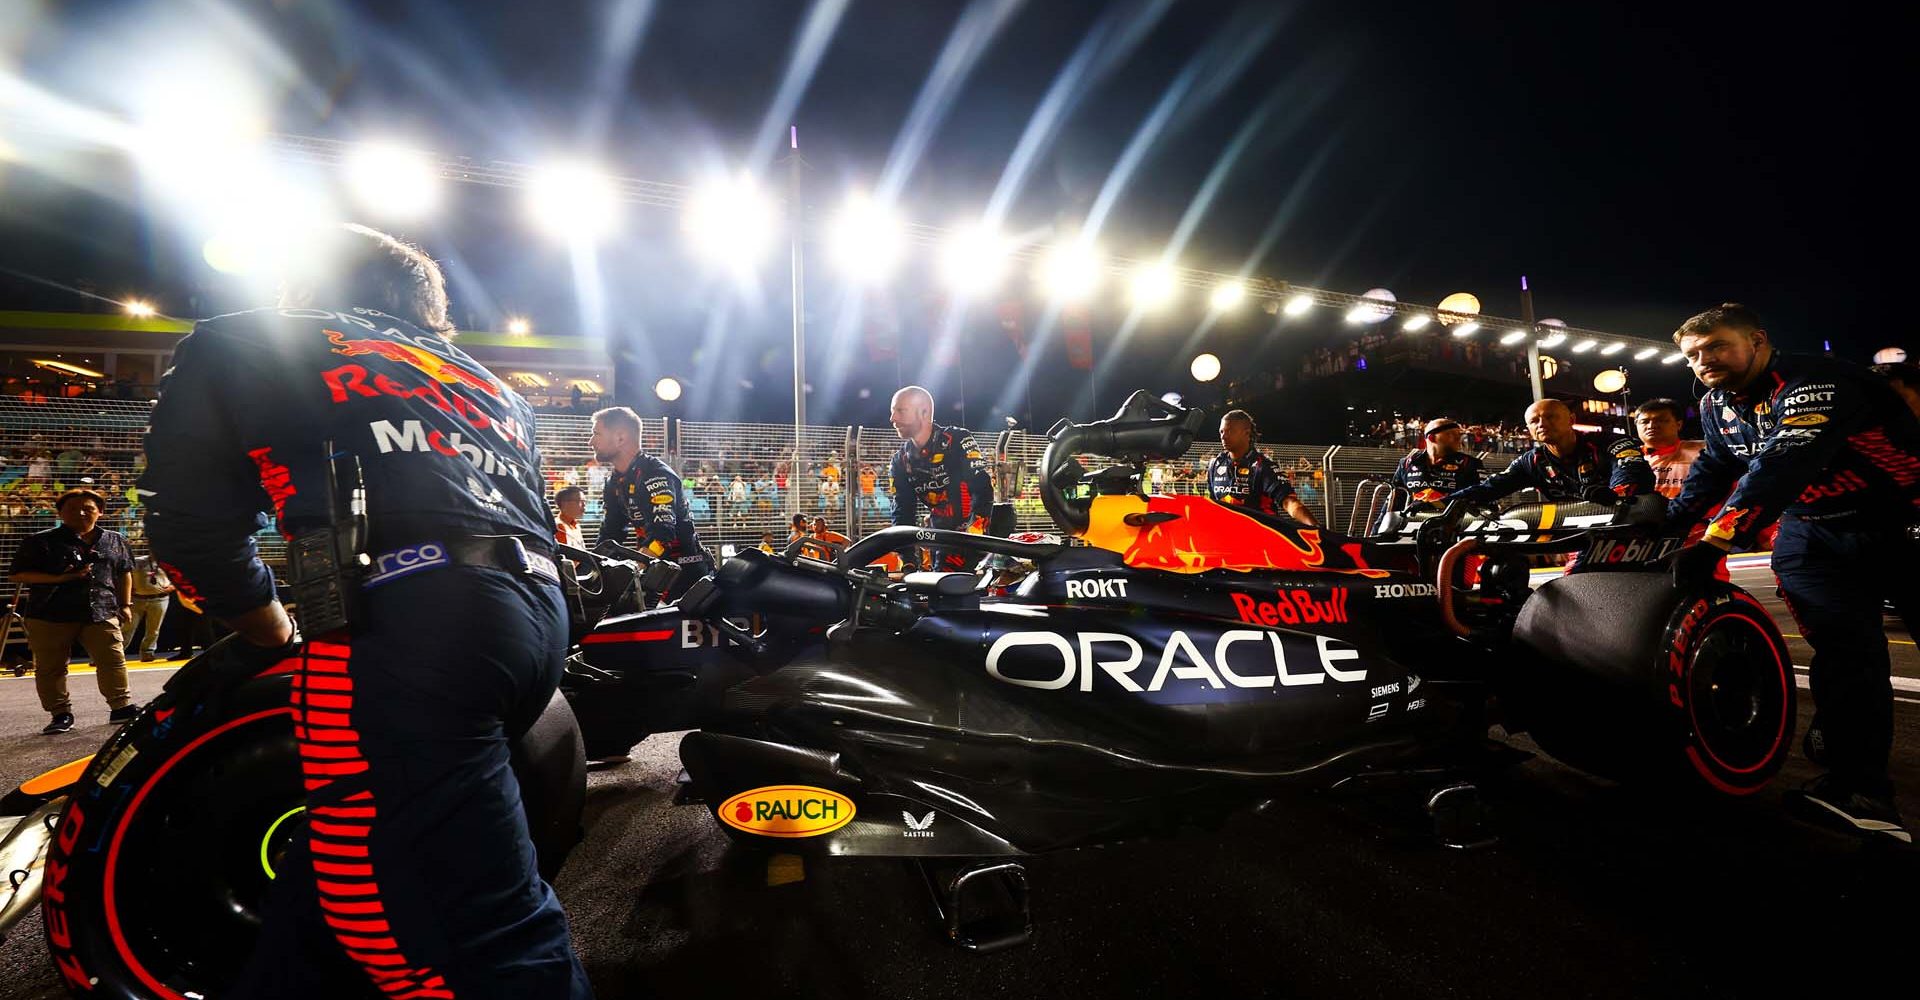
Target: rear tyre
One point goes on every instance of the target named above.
(1630, 678)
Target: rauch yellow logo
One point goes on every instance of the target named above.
(787, 811)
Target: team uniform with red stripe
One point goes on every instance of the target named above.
(416, 879)
(1830, 452)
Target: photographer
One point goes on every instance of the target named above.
(79, 587)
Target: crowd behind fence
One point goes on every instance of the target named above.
(744, 481)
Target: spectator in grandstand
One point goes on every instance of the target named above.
(79, 588)
(1242, 476)
(1658, 422)
(1904, 376)
(151, 588)
(1828, 450)
(571, 502)
(1566, 464)
(1439, 468)
(40, 466)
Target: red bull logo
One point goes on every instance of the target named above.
(432, 365)
(1204, 535)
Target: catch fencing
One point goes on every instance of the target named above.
(744, 481)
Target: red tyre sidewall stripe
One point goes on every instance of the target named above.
(1780, 726)
(120, 832)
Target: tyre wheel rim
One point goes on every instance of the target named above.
(201, 855)
(1734, 687)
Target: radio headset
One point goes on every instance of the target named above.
(326, 564)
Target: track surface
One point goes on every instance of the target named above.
(1593, 890)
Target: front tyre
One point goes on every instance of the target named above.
(160, 868)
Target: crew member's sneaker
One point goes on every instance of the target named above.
(124, 713)
(62, 723)
(1825, 800)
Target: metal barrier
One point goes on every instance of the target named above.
(740, 480)
(1373, 497)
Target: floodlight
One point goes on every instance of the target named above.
(1614, 348)
(1645, 352)
(1226, 295)
(1585, 346)
(867, 240)
(139, 308)
(1671, 358)
(1153, 286)
(1513, 337)
(1552, 339)
(667, 389)
(1298, 305)
(574, 202)
(393, 182)
(519, 327)
(974, 260)
(1070, 272)
(1205, 368)
(1467, 329)
(1417, 322)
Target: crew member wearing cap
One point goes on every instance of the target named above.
(1440, 466)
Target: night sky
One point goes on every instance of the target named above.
(1637, 162)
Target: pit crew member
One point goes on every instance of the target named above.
(1658, 422)
(940, 468)
(1833, 454)
(1567, 465)
(644, 500)
(1240, 476)
(415, 873)
(1441, 466)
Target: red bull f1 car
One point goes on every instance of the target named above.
(1188, 660)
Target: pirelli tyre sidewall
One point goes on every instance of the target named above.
(158, 872)
(1729, 688)
(1632, 679)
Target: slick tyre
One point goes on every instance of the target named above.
(1629, 678)
(160, 867)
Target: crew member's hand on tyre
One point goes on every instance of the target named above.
(1695, 565)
